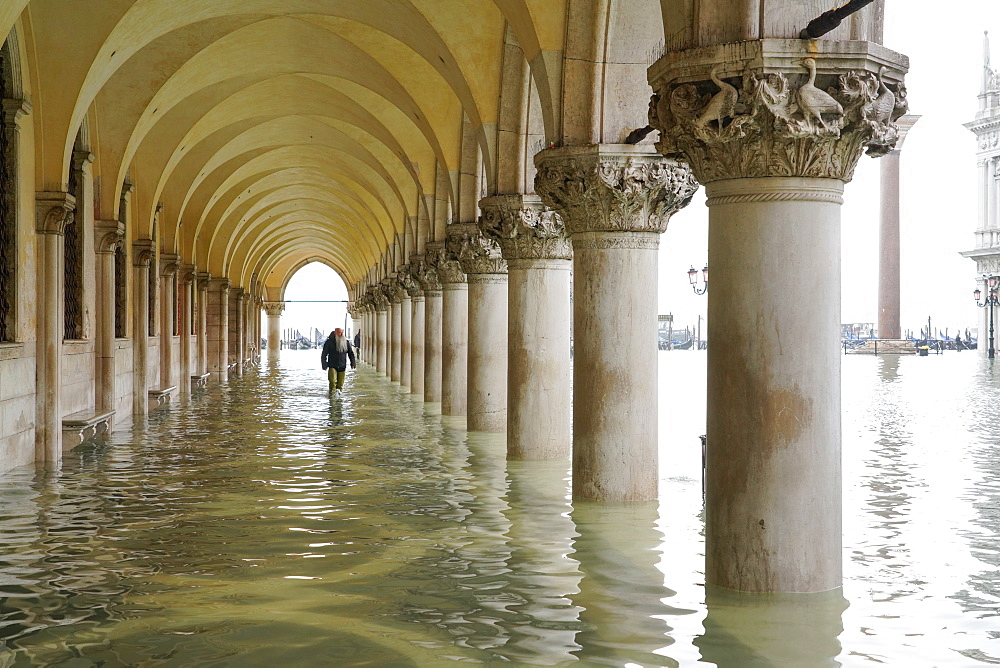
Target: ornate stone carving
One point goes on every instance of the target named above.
(379, 299)
(424, 275)
(408, 282)
(108, 234)
(203, 277)
(795, 113)
(475, 252)
(395, 291)
(443, 263)
(53, 212)
(524, 228)
(620, 188)
(169, 264)
(142, 252)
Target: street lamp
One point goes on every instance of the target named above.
(991, 301)
(693, 277)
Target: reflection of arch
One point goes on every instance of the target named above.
(301, 265)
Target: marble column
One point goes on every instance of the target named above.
(615, 201)
(486, 386)
(53, 211)
(454, 332)
(239, 331)
(274, 310)
(405, 340)
(168, 271)
(108, 234)
(888, 266)
(218, 328)
(417, 326)
(396, 331)
(533, 240)
(142, 258)
(427, 276)
(202, 327)
(774, 176)
(185, 294)
(381, 330)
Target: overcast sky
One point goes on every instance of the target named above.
(937, 188)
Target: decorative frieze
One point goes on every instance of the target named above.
(475, 252)
(612, 188)
(777, 107)
(443, 262)
(524, 228)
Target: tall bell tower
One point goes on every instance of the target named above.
(986, 254)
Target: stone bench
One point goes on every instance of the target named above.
(200, 380)
(83, 426)
(161, 396)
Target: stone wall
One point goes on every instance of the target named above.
(78, 390)
(123, 379)
(17, 405)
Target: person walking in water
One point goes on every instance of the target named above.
(336, 352)
(357, 342)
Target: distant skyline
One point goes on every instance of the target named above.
(937, 189)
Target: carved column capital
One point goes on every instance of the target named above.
(203, 277)
(777, 107)
(408, 282)
(14, 110)
(241, 295)
(379, 299)
(424, 274)
(443, 263)
(169, 263)
(612, 188)
(394, 290)
(219, 285)
(475, 252)
(108, 235)
(82, 159)
(53, 212)
(524, 228)
(142, 252)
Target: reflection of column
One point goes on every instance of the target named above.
(433, 311)
(142, 257)
(274, 310)
(774, 185)
(620, 596)
(538, 254)
(218, 328)
(108, 235)
(185, 294)
(454, 334)
(53, 211)
(746, 629)
(168, 311)
(487, 338)
(888, 267)
(615, 202)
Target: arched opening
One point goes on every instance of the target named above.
(315, 299)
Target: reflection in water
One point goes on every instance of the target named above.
(268, 523)
(758, 630)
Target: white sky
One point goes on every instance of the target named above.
(938, 212)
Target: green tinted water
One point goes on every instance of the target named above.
(266, 523)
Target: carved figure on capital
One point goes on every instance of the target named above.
(406, 281)
(443, 262)
(596, 190)
(379, 298)
(475, 252)
(395, 291)
(424, 274)
(524, 228)
(813, 122)
(274, 308)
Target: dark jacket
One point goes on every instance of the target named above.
(357, 340)
(334, 359)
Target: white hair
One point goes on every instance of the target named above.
(340, 343)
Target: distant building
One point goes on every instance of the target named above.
(857, 330)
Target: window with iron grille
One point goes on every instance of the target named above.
(73, 262)
(152, 296)
(8, 212)
(121, 292)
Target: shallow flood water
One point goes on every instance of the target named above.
(266, 523)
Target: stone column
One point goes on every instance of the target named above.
(142, 258)
(274, 310)
(888, 266)
(615, 201)
(396, 331)
(405, 340)
(539, 260)
(427, 276)
(416, 292)
(185, 293)
(202, 328)
(218, 328)
(240, 330)
(108, 234)
(53, 211)
(168, 270)
(381, 330)
(774, 162)
(486, 269)
(454, 332)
